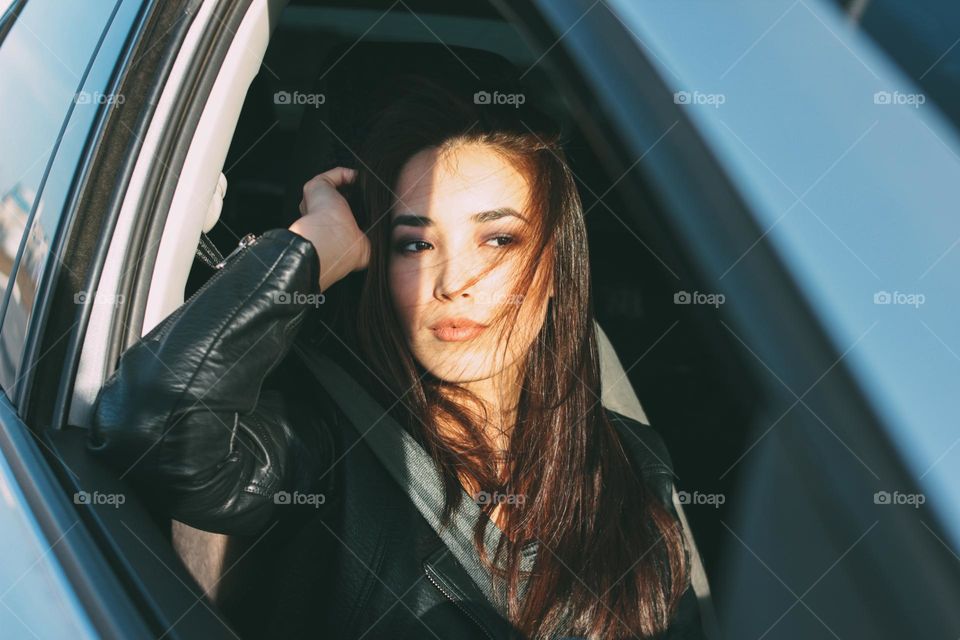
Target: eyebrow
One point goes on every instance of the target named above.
(411, 220)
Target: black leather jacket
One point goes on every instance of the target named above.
(212, 428)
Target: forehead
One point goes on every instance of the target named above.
(459, 182)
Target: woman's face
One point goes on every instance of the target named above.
(456, 213)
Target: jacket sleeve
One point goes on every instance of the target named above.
(185, 416)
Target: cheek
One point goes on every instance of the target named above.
(405, 290)
(533, 313)
(505, 279)
(534, 303)
(501, 279)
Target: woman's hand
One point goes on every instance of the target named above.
(329, 224)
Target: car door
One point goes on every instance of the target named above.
(85, 557)
(825, 216)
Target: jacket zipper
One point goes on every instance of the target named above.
(457, 603)
(245, 242)
(165, 324)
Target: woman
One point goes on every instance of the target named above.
(469, 318)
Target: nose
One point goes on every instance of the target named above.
(455, 278)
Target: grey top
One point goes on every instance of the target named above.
(469, 515)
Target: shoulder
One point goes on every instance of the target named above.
(645, 445)
(648, 453)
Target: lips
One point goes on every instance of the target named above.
(457, 329)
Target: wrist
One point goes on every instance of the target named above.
(299, 230)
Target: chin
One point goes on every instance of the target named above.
(460, 367)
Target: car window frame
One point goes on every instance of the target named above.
(74, 121)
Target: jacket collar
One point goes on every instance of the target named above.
(443, 570)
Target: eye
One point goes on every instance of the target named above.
(501, 240)
(408, 246)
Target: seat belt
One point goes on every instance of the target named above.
(412, 468)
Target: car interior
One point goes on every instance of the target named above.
(261, 137)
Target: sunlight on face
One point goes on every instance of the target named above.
(456, 214)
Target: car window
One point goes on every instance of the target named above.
(43, 63)
(921, 37)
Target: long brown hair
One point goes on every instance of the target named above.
(611, 560)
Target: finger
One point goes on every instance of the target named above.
(365, 261)
(338, 176)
